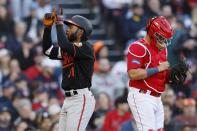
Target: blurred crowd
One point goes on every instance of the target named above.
(30, 90)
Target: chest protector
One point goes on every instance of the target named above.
(152, 59)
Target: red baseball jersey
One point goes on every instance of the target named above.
(142, 55)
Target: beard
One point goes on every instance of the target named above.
(72, 37)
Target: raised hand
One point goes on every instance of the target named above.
(50, 18)
(60, 17)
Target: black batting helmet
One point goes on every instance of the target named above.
(81, 22)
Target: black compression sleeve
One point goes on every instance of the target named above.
(63, 40)
(47, 41)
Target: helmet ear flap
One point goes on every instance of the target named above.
(150, 21)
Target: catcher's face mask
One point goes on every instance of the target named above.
(162, 40)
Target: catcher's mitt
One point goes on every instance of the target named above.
(178, 73)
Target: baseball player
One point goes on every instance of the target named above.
(78, 60)
(148, 72)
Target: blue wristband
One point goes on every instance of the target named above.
(152, 71)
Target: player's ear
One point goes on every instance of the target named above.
(81, 33)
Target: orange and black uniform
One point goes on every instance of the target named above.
(77, 61)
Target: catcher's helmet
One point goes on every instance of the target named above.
(159, 26)
(81, 22)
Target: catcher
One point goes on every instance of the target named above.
(78, 60)
(148, 70)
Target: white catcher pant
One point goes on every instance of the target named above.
(147, 110)
(77, 111)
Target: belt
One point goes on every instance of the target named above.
(76, 91)
(150, 93)
(144, 91)
(70, 93)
